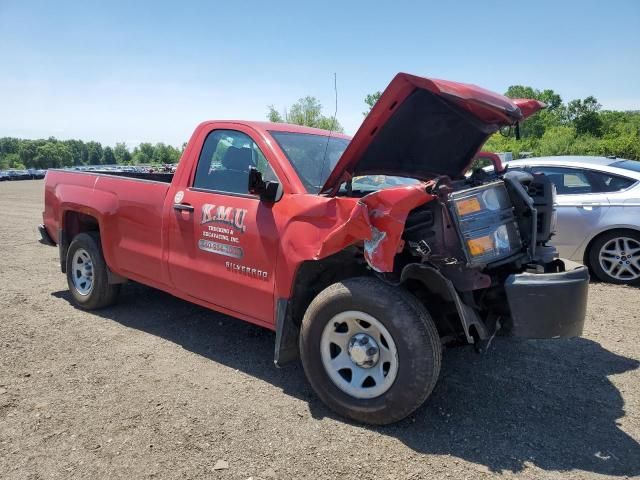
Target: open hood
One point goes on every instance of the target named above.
(422, 128)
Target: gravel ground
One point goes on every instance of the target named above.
(155, 387)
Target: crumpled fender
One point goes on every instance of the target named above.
(315, 226)
(318, 226)
(378, 220)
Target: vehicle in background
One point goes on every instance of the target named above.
(18, 175)
(364, 256)
(4, 176)
(598, 212)
(36, 174)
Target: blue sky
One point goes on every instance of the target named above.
(150, 71)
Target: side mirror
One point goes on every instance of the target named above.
(267, 191)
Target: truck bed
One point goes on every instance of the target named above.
(129, 207)
(164, 177)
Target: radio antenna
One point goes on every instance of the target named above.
(333, 124)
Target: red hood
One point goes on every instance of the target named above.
(422, 128)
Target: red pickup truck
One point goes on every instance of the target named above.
(365, 255)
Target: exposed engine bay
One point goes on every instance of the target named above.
(476, 233)
(500, 219)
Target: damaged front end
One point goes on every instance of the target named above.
(474, 247)
(482, 247)
(474, 250)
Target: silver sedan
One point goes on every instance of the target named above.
(598, 212)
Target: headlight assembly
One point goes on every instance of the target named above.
(493, 243)
(486, 223)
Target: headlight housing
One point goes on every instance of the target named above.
(487, 226)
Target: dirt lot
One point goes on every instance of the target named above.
(156, 387)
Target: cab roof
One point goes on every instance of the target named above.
(284, 127)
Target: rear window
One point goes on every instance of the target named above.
(633, 165)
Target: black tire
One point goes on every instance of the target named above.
(102, 293)
(412, 330)
(594, 254)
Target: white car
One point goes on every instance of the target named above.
(598, 210)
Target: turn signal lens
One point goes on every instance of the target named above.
(467, 206)
(480, 245)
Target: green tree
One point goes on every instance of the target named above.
(9, 145)
(52, 155)
(121, 153)
(165, 154)
(94, 153)
(27, 152)
(78, 151)
(108, 157)
(584, 116)
(143, 153)
(273, 115)
(174, 154)
(10, 160)
(371, 100)
(551, 116)
(306, 111)
(556, 141)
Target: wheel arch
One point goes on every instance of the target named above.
(74, 222)
(311, 277)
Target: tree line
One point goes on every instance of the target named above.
(52, 153)
(577, 127)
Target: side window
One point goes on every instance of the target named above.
(225, 160)
(602, 182)
(570, 181)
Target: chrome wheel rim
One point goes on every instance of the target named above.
(620, 258)
(359, 354)
(82, 272)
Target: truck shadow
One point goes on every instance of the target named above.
(544, 403)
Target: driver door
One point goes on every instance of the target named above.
(222, 241)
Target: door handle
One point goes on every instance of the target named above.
(591, 206)
(183, 207)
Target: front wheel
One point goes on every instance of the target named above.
(370, 351)
(87, 273)
(615, 257)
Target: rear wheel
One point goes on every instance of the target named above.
(370, 351)
(614, 257)
(87, 273)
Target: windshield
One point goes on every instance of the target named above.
(306, 152)
(633, 165)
